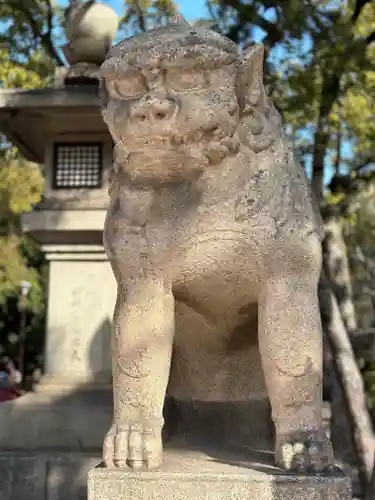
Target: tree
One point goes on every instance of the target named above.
(316, 52)
(31, 28)
(21, 185)
(142, 15)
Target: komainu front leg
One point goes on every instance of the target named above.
(290, 341)
(142, 346)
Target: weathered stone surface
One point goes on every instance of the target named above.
(22, 477)
(193, 475)
(56, 419)
(90, 28)
(37, 476)
(82, 292)
(80, 72)
(215, 242)
(67, 477)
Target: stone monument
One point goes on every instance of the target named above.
(215, 243)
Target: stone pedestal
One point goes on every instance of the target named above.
(214, 474)
(46, 476)
(217, 451)
(81, 299)
(72, 407)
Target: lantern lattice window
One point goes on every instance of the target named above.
(77, 166)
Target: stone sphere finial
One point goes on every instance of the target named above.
(90, 28)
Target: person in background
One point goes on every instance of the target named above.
(15, 377)
(10, 378)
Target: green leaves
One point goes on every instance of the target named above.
(21, 187)
(142, 15)
(30, 27)
(30, 74)
(14, 269)
(24, 65)
(319, 59)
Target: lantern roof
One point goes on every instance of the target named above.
(25, 115)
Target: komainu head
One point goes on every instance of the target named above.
(178, 100)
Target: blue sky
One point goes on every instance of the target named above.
(190, 9)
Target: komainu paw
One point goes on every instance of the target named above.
(304, 451)
(133, 446)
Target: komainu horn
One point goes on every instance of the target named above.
(210, 217)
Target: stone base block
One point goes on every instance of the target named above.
(38, 476)
(228, 475)
(61, 420)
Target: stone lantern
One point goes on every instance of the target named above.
(61, 128)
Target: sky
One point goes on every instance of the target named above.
(190, 9)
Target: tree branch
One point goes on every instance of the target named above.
(49, 17)
(349, 379)
(363, 163)
(370, 38)
(140, 15)
(45, 38)
(358, 9)
(249, 15)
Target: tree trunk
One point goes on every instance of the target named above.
(329, 93)
(350, 380)
(336, 267)
(320, 147)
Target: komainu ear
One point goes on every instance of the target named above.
(253, 73)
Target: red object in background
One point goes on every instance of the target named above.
(7, 394)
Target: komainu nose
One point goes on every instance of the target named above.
(153, 109)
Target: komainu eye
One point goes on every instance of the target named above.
(127, 87)
(186, 80)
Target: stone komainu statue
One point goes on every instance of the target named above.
(215, 243)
